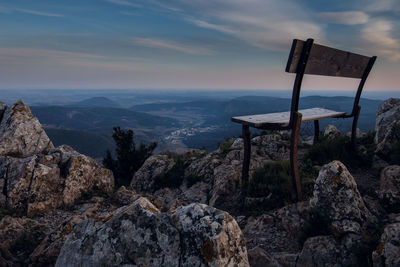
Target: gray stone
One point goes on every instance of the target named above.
(388, 128)
(39, 183)
(388, 250)
(337, 199)
(387, 113)
(389, 190)
(141, 235)
(331, 131)
(21, 134)
(144, 178)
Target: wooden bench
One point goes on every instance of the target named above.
(306, 57)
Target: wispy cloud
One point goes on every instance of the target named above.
(268, 24)
(172, 46)
(38, 13)
(346, 17)
(123, 3)
(379, 36)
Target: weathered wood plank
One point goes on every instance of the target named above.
(328, 61)
(282, 118)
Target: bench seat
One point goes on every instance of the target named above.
(282, 118)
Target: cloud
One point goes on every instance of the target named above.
(172, 46)
(38, 13)
(123, 3)
(267, 24)
(346, 17)
(379, 36)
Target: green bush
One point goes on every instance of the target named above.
(273, 179)
(129, 157)
(225, 147)
(327, 150)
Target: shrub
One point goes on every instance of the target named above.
(273, 179)
(129, 157)
(327, 150)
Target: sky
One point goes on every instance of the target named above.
(189, 44)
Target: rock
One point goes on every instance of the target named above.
(319, 251)
(139, 234)
(389, 190)
(143, 180)
(18, 238)
(82, 175)
(278, 231)
(36, 184)
(388, 251)
(331, 131)
(258, 257)
(337, 199)
(21, 134)
(125, 196)
(387, 113)
(388, 130)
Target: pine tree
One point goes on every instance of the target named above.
(129, 158)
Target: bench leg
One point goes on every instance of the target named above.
(293, 155)
(316, 131)
(354, 127)
(246, 157)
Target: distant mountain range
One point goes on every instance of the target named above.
(87, 125)
(97, 102)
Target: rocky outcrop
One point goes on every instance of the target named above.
(214, 178)
(39, 183)
(388, 251)
(21, 134)
(388, 129)
(36, 177)
(337, 199)
(139, 234)
(389, 190)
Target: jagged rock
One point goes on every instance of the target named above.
(389, 190)
(39, 183)
(258, 257)
(18, 238)
(125, 196)
(62, 223)
(278, 231)
(21, 134)
(139, 234)
(337, 199)
(331, 131)
(388, 112)
(144, 178)
(388, 250)
(328, 251)
(82, 175)
(388, 129)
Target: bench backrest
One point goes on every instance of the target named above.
(308, 58)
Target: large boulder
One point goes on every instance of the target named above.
(144, 178)
(21, 134)
(139, 234)
(389, 190)
(388, 130)
(337, 200)
(388, 250)
(39, 183)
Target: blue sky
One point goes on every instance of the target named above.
(200, 44)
